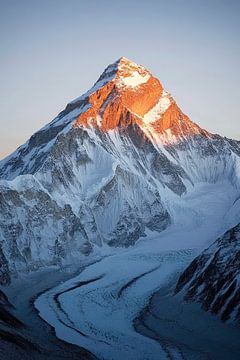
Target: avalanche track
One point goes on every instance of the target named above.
(97, 308)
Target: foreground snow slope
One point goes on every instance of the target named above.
(96, 309)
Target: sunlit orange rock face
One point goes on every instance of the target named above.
(180, 125)
(129, 96)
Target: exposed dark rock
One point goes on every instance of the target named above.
(4, 269)
(213, 277)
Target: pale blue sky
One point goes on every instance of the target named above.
(53, 51)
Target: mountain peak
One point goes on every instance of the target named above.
(123, 94)
(127, 93)
(125, 63)
(123, 58)
(130, 74)
(124, 73)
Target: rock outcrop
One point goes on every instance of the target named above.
(213, 278)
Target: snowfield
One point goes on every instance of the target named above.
(97, 308)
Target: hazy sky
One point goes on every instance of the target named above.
(52, 51)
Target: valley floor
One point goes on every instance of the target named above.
(101, 308)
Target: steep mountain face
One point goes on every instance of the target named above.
(213, 278)
(35, 229)
(106, 170)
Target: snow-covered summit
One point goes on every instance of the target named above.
(125, 72)
(130, 74)
(128, 94)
